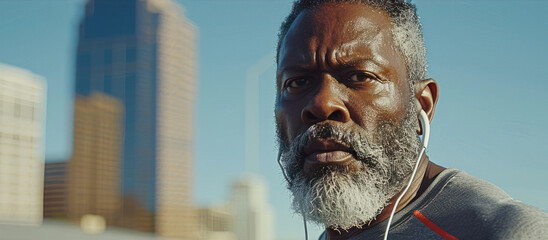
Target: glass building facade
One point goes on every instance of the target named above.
(142, 52)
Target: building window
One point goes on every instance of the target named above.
(84, 59)
(83, 84)
(108, 56)
(26, 111)
(108, 84)
(131, 54)
(17, 109)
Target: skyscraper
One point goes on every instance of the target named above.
(22, 122)
(94, 169)
(55, 190)
(253, 217)
(215, 223)
(142, 52)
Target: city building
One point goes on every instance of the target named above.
(55, 190)
(142, 52)
(94, 169)
(22, 127)
(215, 223)
(253, 219)
(52, 229)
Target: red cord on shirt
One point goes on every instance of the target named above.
(433, 226)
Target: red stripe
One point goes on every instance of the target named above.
(433, 226)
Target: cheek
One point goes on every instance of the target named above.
(391, 102)
(386, 103)
(288, 117)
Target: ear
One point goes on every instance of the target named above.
(426, 95)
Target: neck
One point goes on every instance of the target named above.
(426, 173)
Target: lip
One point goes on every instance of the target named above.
(324, 152)
(328, 157)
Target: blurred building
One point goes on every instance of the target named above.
(216, 223)
(94, 169)
(55, 190)
(253, 219)
(52, 229)
(142, 52)
(22, 122)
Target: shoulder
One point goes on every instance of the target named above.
(469, 204)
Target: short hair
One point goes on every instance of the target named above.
(406, 30)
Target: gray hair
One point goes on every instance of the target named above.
(406, 30)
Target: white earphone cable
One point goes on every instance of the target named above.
(425, 123)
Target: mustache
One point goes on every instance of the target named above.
(361, 148)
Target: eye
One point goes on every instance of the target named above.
(356, 77)
(297, 83)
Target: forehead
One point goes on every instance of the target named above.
(346, 29)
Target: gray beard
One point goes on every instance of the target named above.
(341, 199)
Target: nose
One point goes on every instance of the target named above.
(326, 104)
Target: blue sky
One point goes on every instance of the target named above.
(489, 60)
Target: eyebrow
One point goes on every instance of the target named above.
(358, 62)
(355, 61)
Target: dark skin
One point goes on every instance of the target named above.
(338, 64)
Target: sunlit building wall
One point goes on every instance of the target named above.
(253, 219)
(22, 121)
(142, 52)
(216, 223)
(176, 74)
(55, 190)
(94, 169)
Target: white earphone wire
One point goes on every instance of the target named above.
(425, 124)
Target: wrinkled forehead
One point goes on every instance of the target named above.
(333, 27)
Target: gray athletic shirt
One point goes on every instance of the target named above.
(459, 206)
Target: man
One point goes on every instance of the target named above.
(351, 83)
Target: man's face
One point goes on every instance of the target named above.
(346, 122)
